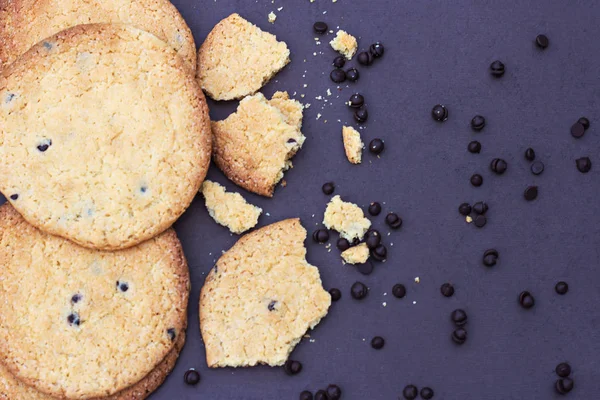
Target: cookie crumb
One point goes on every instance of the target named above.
(353, 144)
(272, 17)
(345, 44)
(228, 208)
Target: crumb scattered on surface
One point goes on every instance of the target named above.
(272, 17)
(228, 208)
(353, 144)
(346, 218)
(356, 254)
(345, 44)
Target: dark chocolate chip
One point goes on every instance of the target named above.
(577, 130)
(459, 336)
(14, 196)
(365, 268)
(372, 238)
(480, 208)
(427, 393)
(561, 287)
(191, 377)
(306, 395)
(447, 290)
(584, 164)
(272, 305)
(172, 334)
(537, 167)
(343, 244)
(410, 392)
(335, 293)
(339, 62)
(480, 221)
(497, 68)
(321, 395)
(476, 180)
(292, 367)
(376, 50)
(526, 300)
(359, 290)
(464, 209)
(352, 75)
(490, 257)
(377, 343)
(376, 146)
(542, 41)
(399, 290)
(564, 385)
(439, 113)
(379, 253)
(76, 298)
(393, 220)
(585, 122)
(73, 319)
(474, 147)
(531, 193)
(563, 370)
(44, 145)
(530, 154)
(143, 189)
(291, 140)
(361, 115)
(356, 100)
(498, 166)
(459, 317)
(478, 123)
(365, 58)
(48, 45)
(337, 76)
(9, 97)
(334, 392)
(320, 27)
(122, 286)
(374, 208)
(328, 188)
(321, 236)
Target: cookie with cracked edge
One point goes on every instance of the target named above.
(12, 389)
(68, 313)
(261, 298)
(238, 58)
(104, 135)
(27, 22)
(254, 146)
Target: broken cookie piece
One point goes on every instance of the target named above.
(253, 146)
(345, 44)
(238, 58)
(346, 218)
(261, 298)
(229, 209)
(353, 145)
(356, 255)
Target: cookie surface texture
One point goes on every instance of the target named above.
(104, 136)
(260, 298)
(68, 313)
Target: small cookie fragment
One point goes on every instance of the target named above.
(357, 254)
(272, 17)
(346, 218)
(353, 145)
(253, 146)
(229, 209)
(345, 44)
(260, 299)
(238, 58)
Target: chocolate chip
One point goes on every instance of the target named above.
(584, 164)
(365, 58)
(542, 41)
(292, 367)
(477, 123)
(498, 166)
(306, 395)
(291, 140)
(271, 305)
(334, 392)
(143, 189)
(337, 76)
(459, 317)
(564, 385)
(464, 209)
(585, 122)
(537, 167)
(73, 319)
(447, 290)
(577, 130)
(497, 68)
(480, 208)
(377, 343)
(399, 290)
(321, 395)
(343, 244)
(339, 62)
(379, 253)
(531, 193)
(480, 221)
(122, 286)
(410, 392)
(459, 336)
(476, 180)
(372, 238)
(356, 100)
(474, 147)
(352, 75)
(439, 113)
(490, 257)
(14, 196)
(321, 236)
(361, 115)
(374, 208)
(47, 45)
(320, 27)
(44, 145)
(172, 334)
(561, 287)
(335, 293)
(563, 370)
(365, 268)
(191, 377)
(376, 146)
(427, 393)
(359, 290)
(328, 188)
(376, 50)
(526, 300)
(393, 220)
(9, 97)
(530, 154)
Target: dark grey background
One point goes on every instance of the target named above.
(436, 52)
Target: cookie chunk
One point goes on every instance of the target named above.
(356, 254)
(353, 145)
(260, 298)
(27, 22)
(68, 313)
(229, 209)
(253, 146)
(345, 44)
(12, 388)
(238, 58)
(346, 218)
(104, 135)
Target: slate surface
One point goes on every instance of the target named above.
(436, 52)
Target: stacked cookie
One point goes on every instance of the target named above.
(104, 142)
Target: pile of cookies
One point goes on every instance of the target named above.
(105, 139)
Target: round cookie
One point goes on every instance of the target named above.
(104, 136)
(71, 318)
(260, 298)
(11, 388)
(27, 22)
